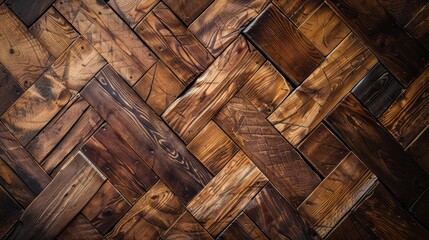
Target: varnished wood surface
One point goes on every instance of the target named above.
(214, 119)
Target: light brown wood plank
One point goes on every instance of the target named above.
(242, 228)
(9, 88)
(186, 227)
(132, 11)
(298, 10)
(188, 10)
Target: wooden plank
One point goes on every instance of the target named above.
(139, 126)
(242, 228)
(274, 34)
(10, 212)
(377, 90)
(150, 217)
(387, 219)
(79, 228)
(159, 87)
(9, 88)
(124, 168)
(105, 208)
(322, 90)
(277, 218)
(228, 73)
(187, 11)
(16, 42)
(419, 27)
(298, 10)
(29, 11)
(227, 194)
(53, 32)
(402, 55)
(323, 149)
(420, 209)
(213, 147)
(324, 29)
(351, 229)
(60, 201)
(403, 10)
(132, 11)
(273, 155)
(266, 89)
(378, 150)
(337, 194)
(186, 227)
(110, 36)
(408, 116)
(222, 22)
(44, 99)
(174, 44)
(419, 150)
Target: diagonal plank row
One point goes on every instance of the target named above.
(214, 119)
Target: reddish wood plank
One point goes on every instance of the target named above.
(242, 228)
(188, 10)
(297, 10)
(186, 227)
(132, 11)
(9, 89)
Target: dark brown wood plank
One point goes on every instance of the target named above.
(351, 229)
(188, 10)
(242, 228)
(132, 11)
(298, 10)
(186, 227)
(139, 126)
(420, 209)
(9, 89)
(10, 212)
(403, 10)
(419, 27)
(286, 46)
(401, 54)
(377, 90)
(79, 228)
(277, 218)
(419, 150)
(29, 11)
(276, 158)
(378, 150)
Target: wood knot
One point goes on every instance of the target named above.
(12, 51)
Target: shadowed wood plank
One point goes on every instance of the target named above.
(229, 72)
(9, 89)
(159, 87)
(60, 201)
(276, 158)
(403, 10)
(29, 11)
(53, 32)
(419, 150)
(242, 228)
(186, 227)
(174, 44)
(323, 149)
(386, 218)
(351, 229)
(146, 134)
(79, 228)
(150, 217)
(337, 194)
(306, 107)
(408, 116)
(420, 209)
(188, 10)
(223, 21)
(109, 35)
(105, 208)
(378, 150)
(298, 10)
(419, 27)
(377, 90)
(227, 194)
(132, 11)
(10, 212)
(21, 54)
(277, 218)
(401, 54)
(274, 34)
(213, 147)
(44, 99)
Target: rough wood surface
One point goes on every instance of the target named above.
(297, 10)
(9, 88)
(187, 10)
(243, 228)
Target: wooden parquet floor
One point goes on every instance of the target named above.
(214, 119)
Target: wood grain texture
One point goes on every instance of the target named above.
(150, 217)
(21, 54)
(122, 166)
(277, 218)
(419, 27)
(402, 55)
(79, 228)
(139, 126)
(242, 228)
(105, 208)
(9, 88)
(274, 34)
(110, 36)
(159, 87)
(53, 32)
(306, 107)
(377, 90)
(10, 212)
(298, 10)
(187, 10)
(227, 194)
(266, 89)
(408, 116)
(323, 149)
(222, 22)
(228, 73)
(273, 155)
(213, 147)
(324, 29)
(420, 209)
(378, 150)
(386, 218)
(403, 11)
(186, 228)
(72, 188)
(29, 11)
(420, 151)
(132, 11)
(337, 194)
(172, 42)
(44, 99)
(351, 229)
